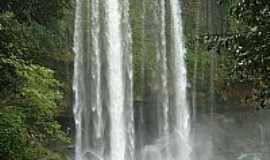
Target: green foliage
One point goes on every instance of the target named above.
(251, 49)
(13, 136)
(201, 57)
(41, 94)
(40, 87)
(39, 152)
(43, 12)
(249, 45)
(37, 100)
(27, 42)
(29, 92)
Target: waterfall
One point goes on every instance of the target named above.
(103, 81)
(163, 80)
(179, 81)
(172, 142)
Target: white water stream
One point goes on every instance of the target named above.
(103, 82)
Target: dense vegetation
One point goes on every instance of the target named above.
(31, 33)
(251, 46)
(247, 46)
(229, 49)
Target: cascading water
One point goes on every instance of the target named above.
(103, 81)
(163, 96)
(179, 81)
(115, 75)
(172, 142)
